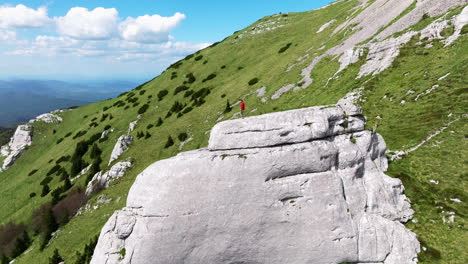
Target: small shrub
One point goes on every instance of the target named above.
(68, 134)
(173, 75)
(56, 258)
(190, 78)
(54, 170)
(63, 159)
(160, 122)
(186, 110)
(240, 68)
(353, 140)
(143, 109)
(32, 195)
(105, 108)
(176, 107)
(80, 134)
(46, 181)
(253, 81)
(182, 136)
(205, 62)
(93, 138)
(223, 95)
(199, 57)
(161, 94)
(180, 89)
(285, 48)
(223, 67)
(169, 113)
(59, 141)
(140, 134)
(93, 124)
(169, 142)
(425, 16)
(188, 93)
(32, 172)
(149, 126)
(94, 119)
(107, 127)
(142, 92)
(148, 135)
(54, 131)
(103, 117)
(176, 65)
(95, 151)
(127, 107)
(209, 77)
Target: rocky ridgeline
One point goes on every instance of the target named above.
(301, 186)
(18, 144)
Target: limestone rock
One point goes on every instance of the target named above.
(326, 25)
(47, 118)
(287, 187)
(102, 180)
(19, 143)
(283, 128)
(459, 22)
(120, 147)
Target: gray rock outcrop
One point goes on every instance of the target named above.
(120, 147)
(102, 180)
(47, 118)
(301, 186)
(18, 144)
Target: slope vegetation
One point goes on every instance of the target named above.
(278, 63)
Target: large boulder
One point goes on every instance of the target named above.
(21, 140)
(302, 186)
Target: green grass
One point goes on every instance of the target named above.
(236, 61)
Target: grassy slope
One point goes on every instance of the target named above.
(402, 125)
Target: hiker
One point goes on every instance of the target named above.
(242, 107)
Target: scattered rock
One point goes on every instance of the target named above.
(434, 182)
(182, 144)
(261, 92)
(459, 22)
(443, 77)
(102, 180)
(455, 200)
(120, 147)
(326, 25)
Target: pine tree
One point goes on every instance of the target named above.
(169, 142)
(50, 227)
(148, 135)
(228, 107)
(159, 123)
(66, 185)
(22, 243)
(45, 190)
(56, 258)
(4, 259)
(95, 151)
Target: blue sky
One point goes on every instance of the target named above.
(135, 40)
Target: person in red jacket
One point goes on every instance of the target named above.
(242, 107)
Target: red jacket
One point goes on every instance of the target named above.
(242, 106)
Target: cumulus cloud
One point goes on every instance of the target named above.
(7, 36)
(21, 16)
(149, 29)
(80, 23)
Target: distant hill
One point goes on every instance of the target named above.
(22, 100)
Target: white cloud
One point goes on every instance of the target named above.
(22, 16)
(80, 23)
(149, 29)
(7, 36)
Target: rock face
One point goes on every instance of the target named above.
(120, 147)
(20, 141)
(302, 186)
(102, 180)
